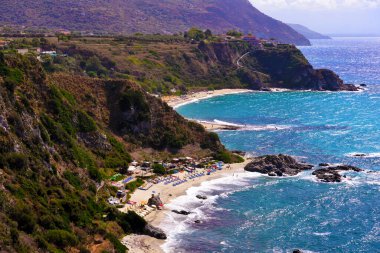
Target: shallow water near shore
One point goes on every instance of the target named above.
(253, 213)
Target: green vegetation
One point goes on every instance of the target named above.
(234, 33)
(158, 169)
(50, 179)
(132, 186)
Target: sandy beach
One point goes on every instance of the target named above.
(145, 244)
(177, 101)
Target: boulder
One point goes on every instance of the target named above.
(154, 232)
(276, 165)
(324, 164)
(331, 174)
(201, 197)
(182, 212)
(155, 200)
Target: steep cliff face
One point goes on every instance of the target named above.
(148, 16)
(56, 147)
(161, 67)
(282, 66)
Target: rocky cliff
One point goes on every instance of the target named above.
(160, 64)
(147, 16)
(60, 136)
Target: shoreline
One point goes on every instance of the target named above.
(168, 193)
(178, 101)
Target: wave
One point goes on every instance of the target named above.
(175, 226)
(247, 127)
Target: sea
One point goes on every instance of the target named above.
(248, 212)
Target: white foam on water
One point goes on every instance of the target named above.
(175, 225)
(322, 234)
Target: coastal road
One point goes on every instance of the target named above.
(241, 58)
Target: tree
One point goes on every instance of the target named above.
(195, 34)
(158, 169)
(234, 33)
(208, 33)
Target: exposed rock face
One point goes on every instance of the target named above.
(182, 212)
(277, 165)
(95, 140)
(154, 232)
(331, 174)
(154, 200)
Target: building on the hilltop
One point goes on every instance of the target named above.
(22, 51)
(253, 41)
(51, 53)
(3, 43)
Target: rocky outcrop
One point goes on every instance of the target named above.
(95, 140)
(277, 165)
(332, 175)
(155, 200)
(284, 66)
(154, 232)
(201, 197)
(182, 212)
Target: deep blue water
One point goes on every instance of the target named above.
(251, 213)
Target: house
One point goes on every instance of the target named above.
(253, 41)
(51, 53)
(23, 51)
(3, 43)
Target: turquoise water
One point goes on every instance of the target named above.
(253, 213)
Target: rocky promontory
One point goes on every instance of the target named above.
(277, 165)
(331, 174)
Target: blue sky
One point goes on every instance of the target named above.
(326, 16)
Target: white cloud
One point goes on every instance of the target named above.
(317, 4)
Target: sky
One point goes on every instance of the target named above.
(326, 16)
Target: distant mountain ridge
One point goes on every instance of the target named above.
(308, 33)
(147, 16)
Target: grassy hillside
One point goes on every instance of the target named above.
(147, 16)
(60, 137)
(170, 64)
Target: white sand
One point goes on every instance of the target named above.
(146, 244)
(177, 101)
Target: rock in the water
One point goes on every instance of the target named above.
(363, 85)
(324, 164)
(277, 165)
(331, 174)
(201, 197)
(154, 232)
(197, 221)
(297, 251)
(182, 212)
(272, 174)
(155, 200)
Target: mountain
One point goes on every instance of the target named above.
(310, 34)
(147, 16)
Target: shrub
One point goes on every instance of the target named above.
(61, 238)
(131, 222)
(73, 179)
(158, 169)
(132, 186)
(118, 246)
(26, 220)
(85, 123)
(16, 161)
